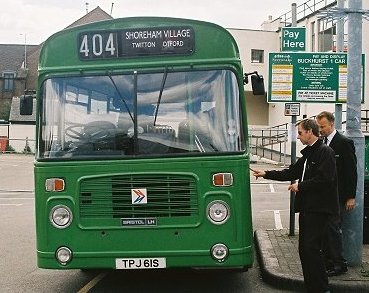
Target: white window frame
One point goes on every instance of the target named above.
(8, 77)
(260, 55)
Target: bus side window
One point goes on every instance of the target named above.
(195, 133)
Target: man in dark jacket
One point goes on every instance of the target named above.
(344, 150)
(316, 200)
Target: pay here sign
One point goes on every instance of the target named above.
(308, 77)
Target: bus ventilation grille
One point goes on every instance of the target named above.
(110, 197)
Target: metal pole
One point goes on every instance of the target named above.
(25, 51)
(339, 48)
(352, 225)
(111, 9)
(293, 143)
(285, 148)
(25, 61)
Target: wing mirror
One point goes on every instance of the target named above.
(257, 82)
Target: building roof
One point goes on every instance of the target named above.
(15, 116)
(12, 56)
(94, 15)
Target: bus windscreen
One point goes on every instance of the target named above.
(165, 113)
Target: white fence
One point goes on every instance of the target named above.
(17, 137)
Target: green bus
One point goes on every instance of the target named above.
(142, 159)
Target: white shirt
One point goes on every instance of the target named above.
(303, 171)
(330, 137)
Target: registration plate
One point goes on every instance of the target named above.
(140, 263)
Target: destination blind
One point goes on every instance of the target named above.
(179, 40)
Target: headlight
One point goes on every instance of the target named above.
(219, 252)
(218, 212)
(60, 217)
(63, 255)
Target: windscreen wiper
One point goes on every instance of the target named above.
(160, 94)
(121, 97)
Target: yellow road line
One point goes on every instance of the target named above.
(92, 283)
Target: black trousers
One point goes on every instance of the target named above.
(312, 227)
(333, 241)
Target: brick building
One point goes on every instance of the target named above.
(13, 73)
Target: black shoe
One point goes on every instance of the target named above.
(329, 266)
(337, 271)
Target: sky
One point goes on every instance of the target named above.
(33, 21)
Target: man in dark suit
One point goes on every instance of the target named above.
(316, 200)
(344, 150)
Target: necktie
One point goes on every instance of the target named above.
(325, 139)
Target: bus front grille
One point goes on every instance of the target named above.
(111, 197)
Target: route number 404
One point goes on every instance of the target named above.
(102, 45)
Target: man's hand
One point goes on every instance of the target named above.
(293, 187)
(258, 173)
(350, 204)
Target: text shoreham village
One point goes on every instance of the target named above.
(166, 38)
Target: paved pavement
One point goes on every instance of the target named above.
(280, 264)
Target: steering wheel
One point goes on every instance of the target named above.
(92, 131)
(75, 131)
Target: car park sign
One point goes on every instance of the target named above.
(308, 77)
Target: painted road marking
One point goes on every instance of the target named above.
(271, 186)
(277, 220)
(266, 182)
(4, 201)
(92, 283)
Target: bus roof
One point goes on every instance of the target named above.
(134, 41)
